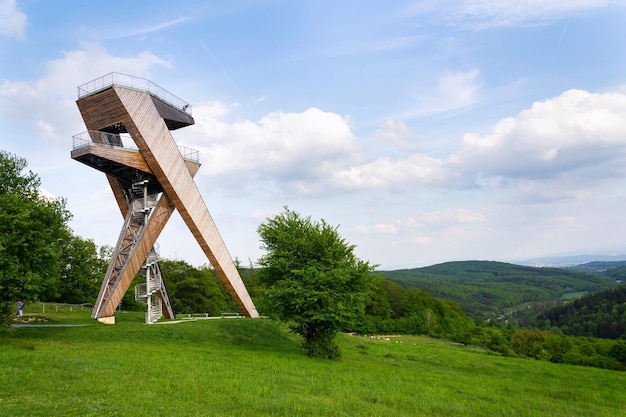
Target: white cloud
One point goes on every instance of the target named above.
(47, 130)
(310, 152)
(455, 91)
(456, 216)
(288, 147)
(12, 20)
(460, 88)
(417, 169)
(577, 134)
(132, 31)
(483, 14)
(575, 138)
(48, 104)
(397, 133)
(426, 222)
(93, 61)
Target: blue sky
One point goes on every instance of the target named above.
(428, 131)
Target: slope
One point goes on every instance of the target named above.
(486, 288)
(602, 314)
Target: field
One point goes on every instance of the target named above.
(245, 367)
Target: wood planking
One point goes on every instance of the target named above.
(155, 142)
(92, 109)
(127, 157)
(99, 111)
(120, 198)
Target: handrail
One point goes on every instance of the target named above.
(123, 141)
(137, 83)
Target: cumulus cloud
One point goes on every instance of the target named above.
(12, 20)
(89, 62)
(417, 169)
(47, 104)
(308, 152)
(288, 147)
(576, 137)
(575, 134)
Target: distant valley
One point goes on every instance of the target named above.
(487, 289)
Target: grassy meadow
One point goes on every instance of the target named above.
(245, 367)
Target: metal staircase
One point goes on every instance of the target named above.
(152, 293)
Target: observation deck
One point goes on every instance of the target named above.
(98, 93)
(116, 155)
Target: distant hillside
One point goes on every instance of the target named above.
(599, 266)
(485, 288)
(571, 261)
(602, 314)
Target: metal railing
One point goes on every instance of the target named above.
(189, 154)
(96, 137)
(137, 83)
(124, 140)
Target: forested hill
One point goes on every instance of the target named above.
(486, 288)
(613, 269)
(602, 314)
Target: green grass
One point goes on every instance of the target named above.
(573, 295)
(235, 367)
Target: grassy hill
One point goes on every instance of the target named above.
(246, 367)
(485, 288)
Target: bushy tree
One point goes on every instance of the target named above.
(82, 271)
(315, 282)
(195, 290)
(32, 229)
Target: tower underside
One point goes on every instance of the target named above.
(148, 183)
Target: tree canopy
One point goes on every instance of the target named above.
(315, 281)
(32, 232)
(195, 290)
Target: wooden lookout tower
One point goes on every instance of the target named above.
(129, 122)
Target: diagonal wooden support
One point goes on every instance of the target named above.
(155, 142)
(124, 268)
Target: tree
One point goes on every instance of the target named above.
(195, 290)
(32, 229)
(315, 282)
(81, 271)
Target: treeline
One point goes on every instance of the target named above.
(485, 289)
(548, 345)
(40, 257)
(601, 314)
(393, 309)
(389, 307)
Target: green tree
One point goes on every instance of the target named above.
(32, 230)
(195, 290)
(315, 282)
(82, 271)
